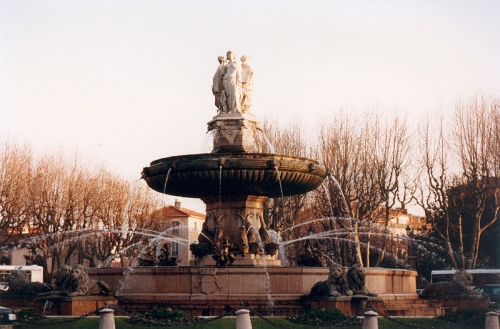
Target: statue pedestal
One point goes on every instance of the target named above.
(352, 305)
(232, 213)
(234, 132)
(453, 303)
(79, 305)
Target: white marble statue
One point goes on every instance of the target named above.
(218, 87)
(247, 85)
(232, 84)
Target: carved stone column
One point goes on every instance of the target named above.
(234, 132)
(240, 218)
(234, 213)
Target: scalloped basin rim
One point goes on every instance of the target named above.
(242, 155)
(234, 174)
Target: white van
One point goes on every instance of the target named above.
(480, 276)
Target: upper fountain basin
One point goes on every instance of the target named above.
(228, 174)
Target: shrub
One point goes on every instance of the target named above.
(464, 316)
(324, 318)
(28, 315)
(164, 317)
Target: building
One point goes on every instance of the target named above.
(182, 226)
(400, 221)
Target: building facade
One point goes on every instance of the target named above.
(181, 227)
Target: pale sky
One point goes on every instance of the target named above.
(128, 82)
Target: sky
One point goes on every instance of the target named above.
(124, 82)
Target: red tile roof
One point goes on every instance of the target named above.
(172, 211)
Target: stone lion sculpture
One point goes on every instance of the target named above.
(74, 281)
(335, 286)
(61, 278)
(61, 281)
(459, 286)
(356, 278)
(80, 284)
(19, 283)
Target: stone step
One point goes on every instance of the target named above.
(416, 312)
(413, 307)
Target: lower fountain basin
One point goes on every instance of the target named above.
(228, 174)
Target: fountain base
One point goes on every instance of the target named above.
(79, 305)
(59, 305)
(240, 260)
(274, 290)
(353, 305)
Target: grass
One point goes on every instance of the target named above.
(226, 323)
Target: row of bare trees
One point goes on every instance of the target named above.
(368, 159)
(448, 166)
(62, 208)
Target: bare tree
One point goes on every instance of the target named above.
(284, 212)
(340, 147)
(475, 133)
(461, 195)
(392, 141)
(367, 157)
(433, 196)
(136, 221)
(15, 166)
(45, 205)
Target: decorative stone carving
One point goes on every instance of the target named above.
(232, 83)
(223, 255)
(234, 132)
(246, 85)
(61, 280)
(165, 258)
(207, 281)
(459, 286)
(74, 281)
(218, 87)
(356, 278)
(244, 247)
(148, 255)
(335, 286)
(20, 284)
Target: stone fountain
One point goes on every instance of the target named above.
(236, 178)
(234, 183)
(236, 259)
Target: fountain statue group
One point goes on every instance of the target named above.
(214, 241)
(233, 84)
(148, 255)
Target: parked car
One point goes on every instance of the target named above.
(492, 290)
(7, 316)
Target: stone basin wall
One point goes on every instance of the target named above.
(212, 291)
(215, 291)
(241, 282)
